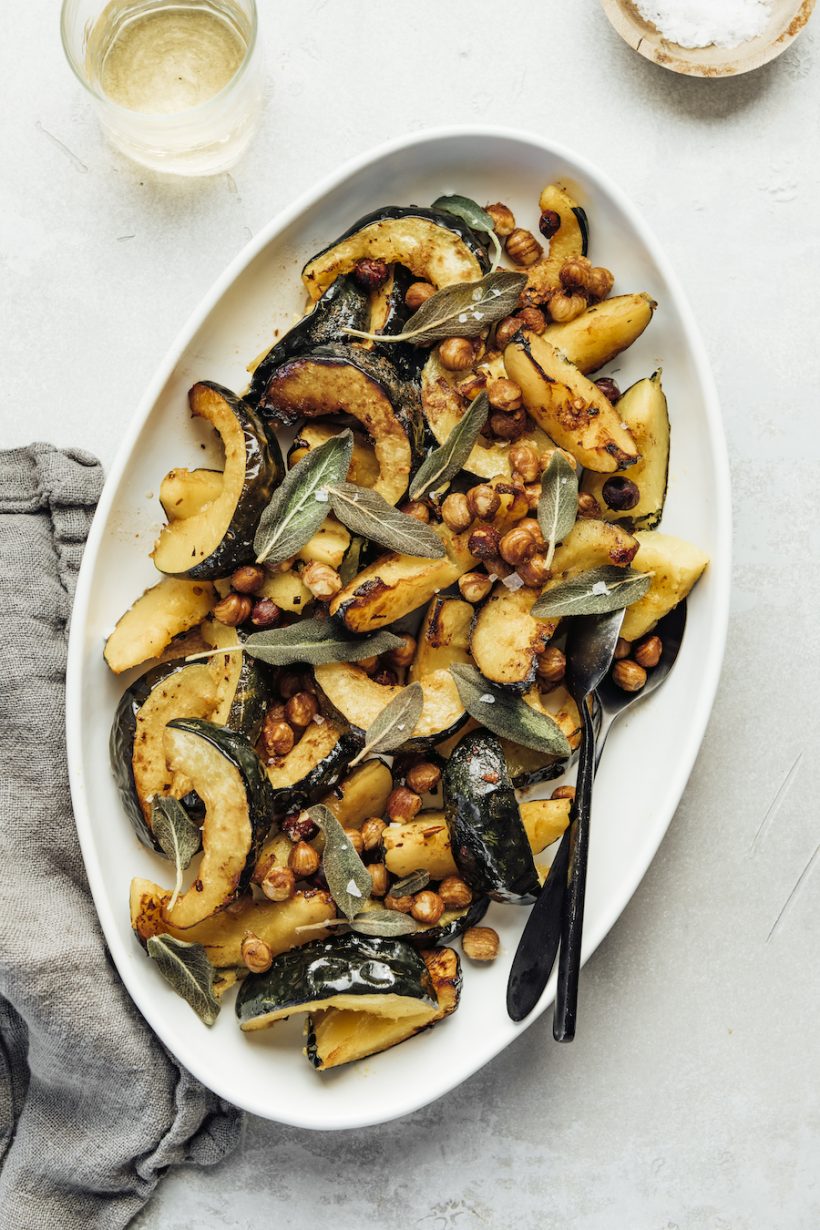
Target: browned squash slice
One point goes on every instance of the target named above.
(360, 795)
(591, 544)
(347, 691)
(444, 637)
(506, 639)
(364, 467)
(676, 566)
(602, 331)
(184, 493)
(570, 240)
(161, 613)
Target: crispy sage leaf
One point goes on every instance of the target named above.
(445, 462)
(177, 835)
(394, 725)
(558, 502)
(352, 560)
(470, 212)
(316, 641)
(348, 880)
(366, 512)
(298, 507)
(461, 310)
(594, 592)
(386, 923)
(506, 715)
(414, 883)
(187, 969)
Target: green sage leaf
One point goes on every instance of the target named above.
(348, 880)
(299, 504)
(385, 923)
(315, 641)
(470, 212)
(558, 502)
(178, 836)
(464, 309)
(352, 560)
(395, 724)
(366, 512)
(444, 463)
(414, 883)
(593, 593)
(506, 715)
(186, 968)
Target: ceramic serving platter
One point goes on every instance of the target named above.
(649, 756)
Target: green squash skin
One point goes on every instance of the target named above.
(341, 965)
(344, 305)
(407, 359)
(254, 693)
(528, 768)
(583, 224)
(264, 471)
(258, 791)
(488, 839)
(450, 928)
(319, 781)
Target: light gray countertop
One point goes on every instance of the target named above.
(691, 1098)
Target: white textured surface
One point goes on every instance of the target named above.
(690, 1099)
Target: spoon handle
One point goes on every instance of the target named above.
(538, 946)
(572, 921)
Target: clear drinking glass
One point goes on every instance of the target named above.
(177, 84)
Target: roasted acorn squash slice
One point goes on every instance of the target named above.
(183, 493)
(362, 794)
(161, 613)
(244, 686)
(217, 539)
(345, 689)
(364, 467)
(444, 637)
(506, 639)
(435, 247)
(676, 566)
(230, 779)
(526, 766)
(312, 767)
(591, 544)
(570, 240)
(368, 974)
(339, 1035)
(602, 331)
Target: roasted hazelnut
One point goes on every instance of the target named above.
(455, 512)
(233, 610)
(474, 586)
(423, 777)
(551, 665)
(455, 892)
(265, 613)
(278, 737)
(355, 838)
(533, 319)
(506, 330)
(534, 571)
(563, 792)
(503, 219)
(322, 580)
(369, 665)
(386, 677)
(549, 223)
(257, 956)
(248, 579)
(648, 653)
(371, 832)
(575, 274)
(402, 905)
(427, 907)
(415, 508)
(588, 506)
(524, 461)
(600, 283)
(484, 542)
(622, 649)
(480, 943)
(379, 879)
(509, 425)
(533, 492)
(303, 860)
(279, 884)
(370, 273)
(301, 709)
(522, 247)
(456, 353)
(504, 394)
(609, 388)
(565, 307)
(298, 826)
(628, 675)
(289, 683)
(516, 546)
(403, 804)
(620, 493)
(417, 294)
(483, 501)
(404, 654)
(532, 527)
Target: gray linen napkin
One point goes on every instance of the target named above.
(92, 1108)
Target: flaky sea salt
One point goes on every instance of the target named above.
(320, 495)
(512, 582)
(600, 587)
(701, 23)
(353, 889)
(487, 699)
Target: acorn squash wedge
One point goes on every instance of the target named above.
(436, 247)
(506, 639)
(361, 795)
(444, 637)
(591, 544)
(183, 493)
(312, 767)
(570, 240)
(337, 1036)
(602, 331)
(527, 766)
(676, 566)
(487, 836)
(217, 539)
(364, 468)
(364, 973)
(244, 685)
(147, 628)
(230, 779)
(349, 692)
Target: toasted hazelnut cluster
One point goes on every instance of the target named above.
(633, 662)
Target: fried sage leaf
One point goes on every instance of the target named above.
(445, 462)
(395, 724)
(558, 502)
(414, 883)
(464, 309)
(187, 969)
(506, 715)
(311, 640)
(177, 835)
(470, 212)
(594, 592)
(299, 504)
(348, 880)
(351, 564)
(386, 923)
(366, 512)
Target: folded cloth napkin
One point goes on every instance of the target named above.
(92, 1109)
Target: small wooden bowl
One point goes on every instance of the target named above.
(788, 19)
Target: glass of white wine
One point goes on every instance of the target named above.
(177, 83)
